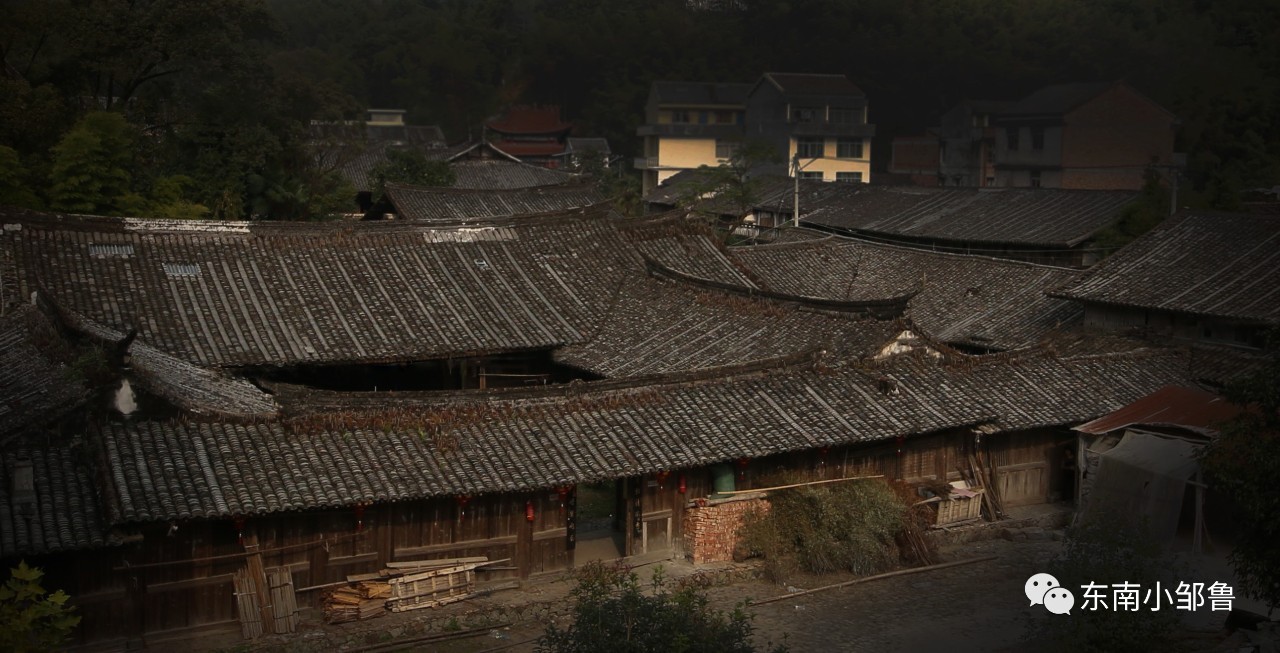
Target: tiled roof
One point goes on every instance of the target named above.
(813, 84)
(1215, 264)
(665, 327)
(497, 175)
(65, 514)
(176, 470)
(961, 299)
(701, 93)
(196, 389)
(423, 136)
(1056, 99)
(687, 248)
(230, 294)
(453, 205)
(522, 148)
(530, 120)
(1034, 217)
(36, 385)
(588, 144)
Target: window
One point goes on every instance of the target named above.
(809, 148)
(1035, 178)
(807, 114)
(680, 117)
(1037, 138)
(1011, 135)
(726, 149)
(811, 175)
(724, 117)
(849, 148)
(849, 176)
(702, 117)
(844, 115)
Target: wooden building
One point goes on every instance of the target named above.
(1203, 277)
(641, 354)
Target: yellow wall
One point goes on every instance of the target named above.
(829, 165)
(687, 152)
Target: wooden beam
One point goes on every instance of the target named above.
(454, 546)
(900, 572)
(787, 487)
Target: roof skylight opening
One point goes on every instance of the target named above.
(100, 250)
(173, 270)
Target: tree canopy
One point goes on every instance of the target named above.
(223, 91)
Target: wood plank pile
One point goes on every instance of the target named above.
(404, 586)
(356, 602)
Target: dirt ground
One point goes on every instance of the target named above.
(971, 607)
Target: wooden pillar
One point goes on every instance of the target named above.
(384, 523)
(571, 525)
(524, 538)
(635, 515)
(137, 591)
(318, 564)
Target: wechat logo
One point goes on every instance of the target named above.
(1044, 589)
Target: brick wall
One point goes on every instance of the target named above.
(711, 529)
(1109, 141)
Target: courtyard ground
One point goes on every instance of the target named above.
(971, 607)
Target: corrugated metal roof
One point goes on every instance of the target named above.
(1170, 405)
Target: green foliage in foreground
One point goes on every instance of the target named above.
(1244, 463)
(613, 612)
(1105, 550)
(30, 618)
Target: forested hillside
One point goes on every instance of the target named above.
(213, 96)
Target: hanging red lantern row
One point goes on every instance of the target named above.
(662, 478)
(528, 511)
(683, 485)
(462, 500)
(742, 467)
(360, 517)
(239, 521)
(562, 493)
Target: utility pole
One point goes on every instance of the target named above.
(795, 205)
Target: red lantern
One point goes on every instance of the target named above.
(528, 510)
(240, 530)
(462, 500)
(902, 441)
(662, 478)
(682, 486)
(562, 493)
(360, 517)
(742, 467)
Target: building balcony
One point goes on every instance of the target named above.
(685, 130)
(832, 129)
(652, 163)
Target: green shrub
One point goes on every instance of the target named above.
(613, 612)
(31, 619)
(1108, 549)
(821, 529)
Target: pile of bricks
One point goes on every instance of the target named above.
(711, 527)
